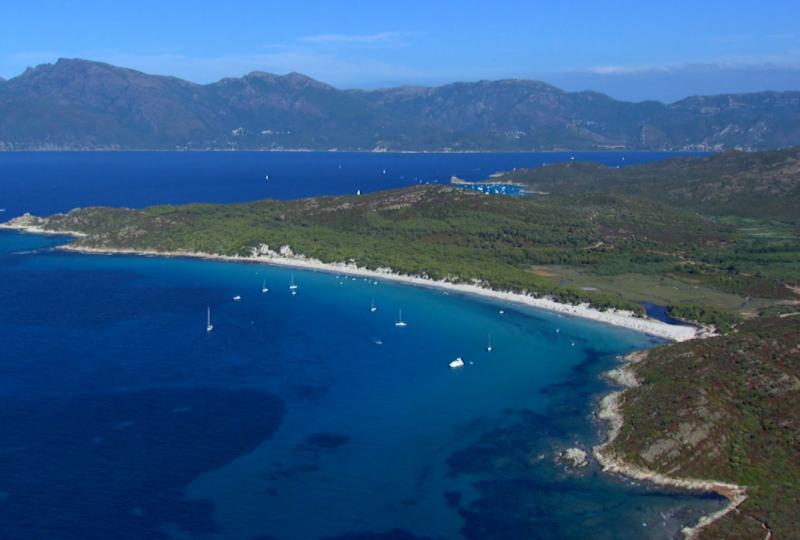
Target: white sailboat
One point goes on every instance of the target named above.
(209, 326)
(400, 323)
(489, 346)
(373, 308)
(264, 288)
(292, 284)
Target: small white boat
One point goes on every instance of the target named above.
(266, 177)
(373, 308)
(489, 346)
(237, 298)
(501, 312)
(384, 171)
(400, 323)
(209, 326)
(292, 284)
(358, 192)
(457, 363)
(264, 288)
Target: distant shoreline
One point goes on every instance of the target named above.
(493, 180)
(341, 151)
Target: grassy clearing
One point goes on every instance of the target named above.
(663, 290)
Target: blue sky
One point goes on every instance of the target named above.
(632, 50)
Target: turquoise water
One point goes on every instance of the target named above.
(304, 416)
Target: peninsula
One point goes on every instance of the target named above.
(717, 413)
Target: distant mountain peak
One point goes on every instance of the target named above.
(88, 74)
(62, 61)
(68, 66)
(293, 79)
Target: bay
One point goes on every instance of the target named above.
(299, 416)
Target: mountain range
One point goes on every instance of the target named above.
(78, 104)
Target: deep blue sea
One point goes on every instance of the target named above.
(48, 182)
(298, 417)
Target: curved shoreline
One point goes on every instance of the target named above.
(609, 406)
(623, 319)
(286, 258)
(609, 410)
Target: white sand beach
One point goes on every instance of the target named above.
(284, 256)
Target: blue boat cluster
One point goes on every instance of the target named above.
(495, 189)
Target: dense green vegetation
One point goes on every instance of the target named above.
(723, 320)
(464, 236)
(762, 185)
(726, 408)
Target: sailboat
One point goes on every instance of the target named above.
(489, 346)
(209, 326)
(264, 288)
(373, 308)
(400, 323)
(292, 284)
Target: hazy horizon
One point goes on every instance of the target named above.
(628, 51)
(611, 85)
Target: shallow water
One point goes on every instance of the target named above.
(298, 417)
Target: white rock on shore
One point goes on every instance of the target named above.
(610, 410)
(574, 457)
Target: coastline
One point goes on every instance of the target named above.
(609, 410)
(609, 407)
(359, 151)
(286, 258)
(491, 181)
